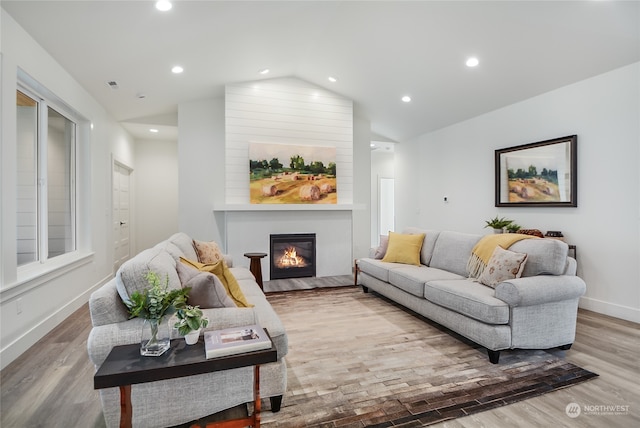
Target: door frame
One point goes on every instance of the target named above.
(115, 161)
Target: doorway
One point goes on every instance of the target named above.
(121, 214)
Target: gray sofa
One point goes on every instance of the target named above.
(178, 401)
(536, 311)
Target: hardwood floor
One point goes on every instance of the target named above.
(52, 384)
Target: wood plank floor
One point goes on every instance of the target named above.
(52, 384)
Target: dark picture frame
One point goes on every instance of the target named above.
(542, 174)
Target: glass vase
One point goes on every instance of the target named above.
(155, 337)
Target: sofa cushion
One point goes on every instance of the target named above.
(208, 252)
(207, 291)
(377, 268)
(544, 256)
(468, 298)
(131, 275)
(503, 265)
(241, 273)
(229, 281)
(404, 248)
(412, 278)
(452, 250)
(430, 238)
(185, 243)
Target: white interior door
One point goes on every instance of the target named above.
(121, 214)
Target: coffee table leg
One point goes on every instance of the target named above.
(125, 406)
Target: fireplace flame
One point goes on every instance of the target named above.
(291, 258)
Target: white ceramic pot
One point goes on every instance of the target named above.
(192, 338)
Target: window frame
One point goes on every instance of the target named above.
(43, 263)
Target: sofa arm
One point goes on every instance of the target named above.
(221, 318)
(536, 290)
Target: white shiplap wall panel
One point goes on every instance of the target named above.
(257, 110)
(280, 91)
(289, 124)
(285, 111)
(298, 120)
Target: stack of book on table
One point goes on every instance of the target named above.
(235, 340)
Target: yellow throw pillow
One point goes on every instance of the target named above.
(404, 248)
(223, 273)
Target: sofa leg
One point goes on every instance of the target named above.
(494, 356)
(565, 347)
(276, 403)
(365, 289)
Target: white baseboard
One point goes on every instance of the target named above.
(611, 309)
(22, 344)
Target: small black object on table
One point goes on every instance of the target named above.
(125, 366)
(255, 267)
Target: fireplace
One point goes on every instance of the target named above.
(293, 255)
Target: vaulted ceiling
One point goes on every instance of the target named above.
(379, 51)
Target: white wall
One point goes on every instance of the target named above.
(201, 167)
(56, 290)
(458, 162)
(155, 180)
(361, 214)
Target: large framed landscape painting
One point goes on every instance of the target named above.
(541, 174)
(292, 174)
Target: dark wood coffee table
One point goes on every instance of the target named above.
(125, 366)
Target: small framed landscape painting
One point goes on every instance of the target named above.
(541, 174)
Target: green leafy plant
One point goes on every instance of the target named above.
(513, 227)
(190, 318)
(498, 223)
(156, 301)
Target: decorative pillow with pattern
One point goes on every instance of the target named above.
(208, 252)
(503, 265)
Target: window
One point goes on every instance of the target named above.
(46, 166)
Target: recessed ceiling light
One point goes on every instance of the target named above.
(153, 130)
(177, 69)
(406, 99)
(163, 5)
(332, 79)
(472, 62)
(264, 71)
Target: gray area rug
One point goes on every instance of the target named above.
(358, 360)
